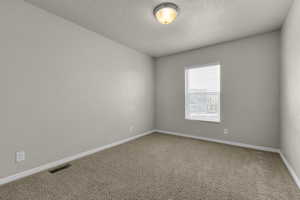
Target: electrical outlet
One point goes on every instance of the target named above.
(20, 156)
(131, 129)
(226, 131)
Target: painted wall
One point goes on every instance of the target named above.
(290, 88)
(64, 89)
(250, 91)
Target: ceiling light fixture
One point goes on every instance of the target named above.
(166, 13)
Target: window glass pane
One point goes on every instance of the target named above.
(203, 93)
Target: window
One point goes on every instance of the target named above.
(202, 93)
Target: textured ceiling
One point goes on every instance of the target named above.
(200, 23)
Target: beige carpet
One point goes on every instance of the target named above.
(162, 167)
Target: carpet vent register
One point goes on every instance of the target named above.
(59, 168)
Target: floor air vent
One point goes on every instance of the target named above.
(59, 168)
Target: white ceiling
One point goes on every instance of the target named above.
(200, 23)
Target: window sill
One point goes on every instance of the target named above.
(204, 120)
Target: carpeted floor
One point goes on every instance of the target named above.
(162, 167)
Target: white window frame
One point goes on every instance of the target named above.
(186, 95)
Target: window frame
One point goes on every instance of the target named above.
(186, 92)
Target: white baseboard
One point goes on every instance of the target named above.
(249, 146)
(86, 153)
(291, 170)
(68, 159)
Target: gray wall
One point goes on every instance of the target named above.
(250, 89)
(64, 89)
(290, 88)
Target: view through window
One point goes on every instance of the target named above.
(202, 93)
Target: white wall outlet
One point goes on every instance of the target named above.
(131, 129)
(20, 156)
(226, 131)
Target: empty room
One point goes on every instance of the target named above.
(150, 100)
